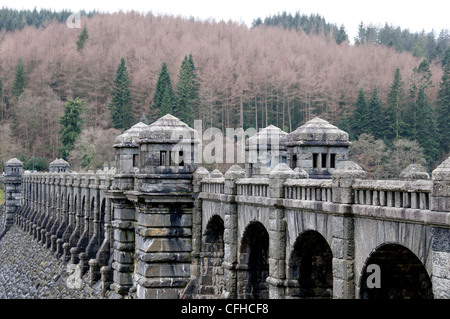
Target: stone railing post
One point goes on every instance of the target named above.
(277, 231)
(13, 192)
(230, 236)
(198, 175)
(440, 202)
(343, 243)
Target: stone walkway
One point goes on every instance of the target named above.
(29, 271)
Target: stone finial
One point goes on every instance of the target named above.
(414, 171)
(234, 172)
(442, 172)
(349, 169)
(215, 174)
(300, 173)
(440, 194)
(277, 176)
(283, 171)
(200, 173)
(343, 177)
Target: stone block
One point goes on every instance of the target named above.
(152, 293)
(122, 278)
(123, 257)
(441, 264)
(146, 244)
(343, 268)
(164, 220)
(124, 213)
(277, 268)
(163, 269)
(441, 239)
(440, 288)
(124, 236)
(343, 227)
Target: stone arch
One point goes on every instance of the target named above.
(212, 241)
(212, 279)
(69, 206)
(402, 275)
(310, 267)
(82, 213)
(101, 219)
(254, 262)
(93, 215)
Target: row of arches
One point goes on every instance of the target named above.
(72, 222)
(310, 266)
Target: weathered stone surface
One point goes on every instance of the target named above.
(27, 271)
(161, 228)
(414, 171)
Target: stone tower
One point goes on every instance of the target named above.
(127, 162)
(264, 151)
(13, 191)
(317, 147)
(163, 197)
(58, 166)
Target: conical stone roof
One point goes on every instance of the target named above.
(318, 132)
(130, 136)
(14, 162)
(268, 135)
(167, 129)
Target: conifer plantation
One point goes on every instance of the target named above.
(131, 67)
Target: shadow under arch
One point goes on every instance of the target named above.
(212, 279)
(212, 241)
(311, 267)
(253, 268)
(402, 275)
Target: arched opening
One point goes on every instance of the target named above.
(311, 266)
(401, 275)
(83, 214)
(102, 221)
(213, 236)
(254, 263)
(93, 216)
(212, 281)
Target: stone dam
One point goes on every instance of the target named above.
(297, 220)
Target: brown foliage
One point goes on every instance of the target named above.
(260, 71)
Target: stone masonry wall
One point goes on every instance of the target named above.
(28, 271)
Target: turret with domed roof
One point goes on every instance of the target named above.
(317, 147)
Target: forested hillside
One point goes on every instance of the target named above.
(229, 75)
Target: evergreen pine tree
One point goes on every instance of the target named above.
(164, 98)
(144, 119)
(444, 108)
(82, 37)
(187, 94)
(345, 124)
(421, 80)
(375, 120)
(19, 79)
(2, 111)
(120, 105)
(427, 134)
(395, 123)
(360, 115)
(71, 122)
